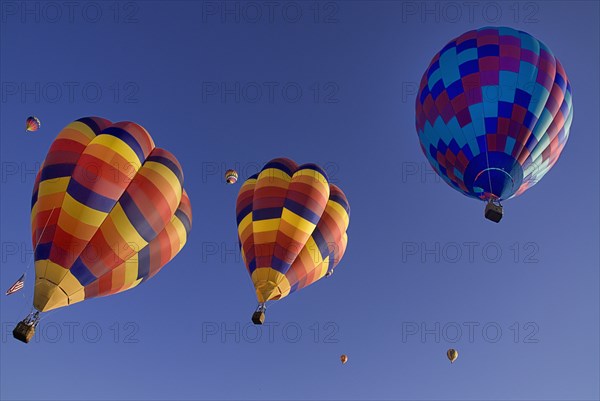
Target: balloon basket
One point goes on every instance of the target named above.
(24, 331)
(493, 212)
(258, 317)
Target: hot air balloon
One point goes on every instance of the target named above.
(452, 354)
(108, 212)
(231, 176)
(32, 124)
(292, 228)
(493, 114)
(344, 358)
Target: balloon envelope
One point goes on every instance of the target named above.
(291, 226)
(108, 212)
(493, 112)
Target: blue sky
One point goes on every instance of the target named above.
(326, 82)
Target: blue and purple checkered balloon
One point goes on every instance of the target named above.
(493, 112)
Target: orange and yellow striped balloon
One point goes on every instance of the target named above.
(108, 212)
(291, 226)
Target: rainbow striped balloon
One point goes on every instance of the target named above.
(493, 112)
(108, 212)
(291, 226)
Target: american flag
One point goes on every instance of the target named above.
(17, 285)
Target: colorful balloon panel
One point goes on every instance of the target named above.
(291, 226)
(493, 112)
(149, 260)
(326, 245)
(108, 211)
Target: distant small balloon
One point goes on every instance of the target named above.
(452, 355)
(344, 358)
(32, 124)
(231, 176)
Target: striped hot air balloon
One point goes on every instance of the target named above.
(292, 228)
(231, 176)
(108, 212)
(32, 124)
(493, 114)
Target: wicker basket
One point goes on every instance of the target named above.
(258, 317)
(24, 332)
(493, 212)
